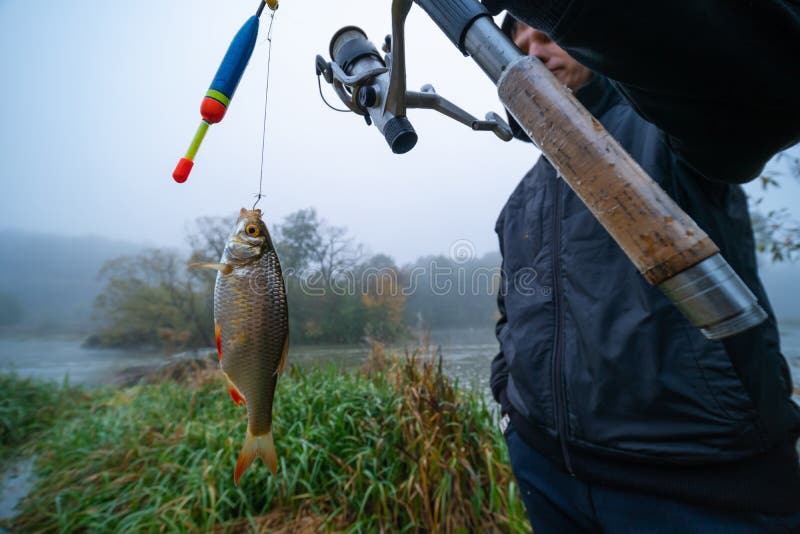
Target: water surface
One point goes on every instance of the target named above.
(467, 356)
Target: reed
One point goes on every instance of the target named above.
(27, 407)
(395, 448)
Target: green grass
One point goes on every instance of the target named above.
(397, 449)
(28, 407)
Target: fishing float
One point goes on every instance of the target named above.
(220, 93)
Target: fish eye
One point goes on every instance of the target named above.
(252, 230)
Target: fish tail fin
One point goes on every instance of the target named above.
(262, 446)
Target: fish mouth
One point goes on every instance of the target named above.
(247, 241)
(244, 249)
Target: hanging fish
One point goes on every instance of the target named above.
(251, 324)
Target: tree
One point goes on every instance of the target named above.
(338, 252)
(449, 292)
(153, 299)
(319, 262)
(382, 296)
(776, 234)
(777, 231)
(310, 247)
(207, 237)
(298, 239)
(150, 299)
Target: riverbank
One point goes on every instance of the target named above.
(27, 408)
(393, 446)
(468, 352)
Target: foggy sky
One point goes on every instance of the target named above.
(102, 98)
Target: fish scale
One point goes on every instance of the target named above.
(250, 307)
(251, 323)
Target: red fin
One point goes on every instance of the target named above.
(218, 338)
(262, 446)
(236, 396)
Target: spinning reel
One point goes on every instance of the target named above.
(374, 86)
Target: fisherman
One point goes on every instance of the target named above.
(621, 416)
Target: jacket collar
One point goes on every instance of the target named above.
(598, 95)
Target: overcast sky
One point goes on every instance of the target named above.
(101, 99)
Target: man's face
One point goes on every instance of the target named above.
(535, 43)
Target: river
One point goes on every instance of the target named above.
(467, 356)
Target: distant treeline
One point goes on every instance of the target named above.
(48, 283)
(336, 292)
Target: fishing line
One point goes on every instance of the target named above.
(319, 84)
(266, 101)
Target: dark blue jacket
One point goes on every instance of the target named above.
(602, 373)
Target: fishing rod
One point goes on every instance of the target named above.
(223, 86)
(667, 247)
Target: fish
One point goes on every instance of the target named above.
(251, 327)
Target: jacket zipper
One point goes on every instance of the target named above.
(560, 405)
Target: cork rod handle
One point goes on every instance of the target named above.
(654, 232)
